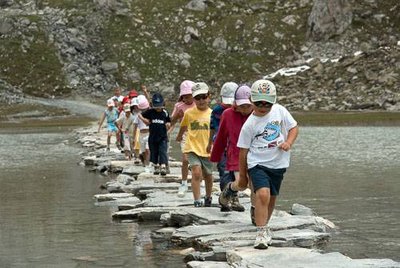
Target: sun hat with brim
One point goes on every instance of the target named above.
(143, 103)
(110, 103)
(157, 100)
(186, 88)
(228, 92)
(242, 95)
(199, 88)
(263, 90)
(127, 107)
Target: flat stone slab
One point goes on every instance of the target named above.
(290, 257)
(111, 196)
(207, 264)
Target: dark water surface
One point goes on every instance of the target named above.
(48, 217)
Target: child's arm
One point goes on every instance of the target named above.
(180, 133)
(145, 120)
(135, 126)
(292, 135)
(145, 92)
(243, 179)
(101, 121)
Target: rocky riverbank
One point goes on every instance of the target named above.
(211, 238)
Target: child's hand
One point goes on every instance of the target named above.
(208, 149)
(178, 138)
(285, 146)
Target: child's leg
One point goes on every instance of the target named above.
(185, 167)
(209, 184)
(262, 205)
(196, 179)
(109, 134)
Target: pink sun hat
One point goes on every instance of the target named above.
(143, 103)
(186, 88)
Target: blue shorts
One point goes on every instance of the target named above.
(111, 127)
(263, 177)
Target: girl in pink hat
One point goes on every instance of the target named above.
(184, 103)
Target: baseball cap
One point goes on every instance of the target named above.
(110, 102)
(157, 100)
(127, 107)
(242, 95)
(199, 88)
(126, 99)
(143, 103)
(134, 101)
(228, 92)
(263, 90)
(186, 87)
(133, 93)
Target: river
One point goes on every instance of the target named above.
(349, 175)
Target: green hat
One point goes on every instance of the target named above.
(263, 90)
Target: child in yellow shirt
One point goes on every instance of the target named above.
(196, 122)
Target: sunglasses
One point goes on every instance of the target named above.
(262, 104)
(201, 97)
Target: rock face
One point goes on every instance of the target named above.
(86, 48)
(329, 18)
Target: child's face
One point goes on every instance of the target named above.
(244, 109)
(202, 101)
(187, 99)
(261, 108)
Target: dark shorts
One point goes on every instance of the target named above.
(263, 177)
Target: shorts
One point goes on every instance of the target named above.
(111, 128)
(263, 177)
(144, 142)
(204, 162)
(137, 142)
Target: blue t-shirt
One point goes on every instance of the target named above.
(216, 117)
(157, 127)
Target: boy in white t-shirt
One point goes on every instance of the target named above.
(265, 140)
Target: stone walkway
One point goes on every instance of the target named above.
(214, 238)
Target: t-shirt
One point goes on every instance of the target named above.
(198, 131)
(140, 124)
(126, 122)
(263, 135)
(112, 115)
(216, 117)
(157, 127)
(181, 106)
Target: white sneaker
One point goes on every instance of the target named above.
(269, 236)
(262, 240)
(147, 169)
(182, 190)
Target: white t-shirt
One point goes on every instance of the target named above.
(141, 125)
(262, 135)
(125, 122)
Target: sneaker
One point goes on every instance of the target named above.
(182, 190)
(163, 171)
(156, 170)
(235, 205)
(168, 171)
(226, 196)
(269, 236)
(252, 215)
(207, 201)
(261, 240)
(108, 149)
(225, 208)
(198, 204)
(147, 169)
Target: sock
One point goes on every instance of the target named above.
(261, 228)
(232, 192)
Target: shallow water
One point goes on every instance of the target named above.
(48, 217)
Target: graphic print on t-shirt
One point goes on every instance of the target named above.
(271, 133)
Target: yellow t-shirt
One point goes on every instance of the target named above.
(198, 131)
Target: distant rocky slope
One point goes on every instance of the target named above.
(66, 48)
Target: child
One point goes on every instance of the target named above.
(143, 137)
(232, 120)
(111, 113)
(125, 124)
(227, 98)
(196, 121)
(264, 142)
(184, 103)
(159, 121)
